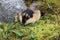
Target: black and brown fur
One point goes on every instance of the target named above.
(30, 15)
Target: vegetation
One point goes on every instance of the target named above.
(47, 28)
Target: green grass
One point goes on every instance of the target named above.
(44, 29)
(54, 1)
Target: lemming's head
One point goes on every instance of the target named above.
(27, 14)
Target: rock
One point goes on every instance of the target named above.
(9, 7)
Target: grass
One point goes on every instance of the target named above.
(44, 29)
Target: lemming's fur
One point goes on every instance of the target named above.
(26, 18)
(20, 17)
(30, 15)
(36, 17)
(25, 15)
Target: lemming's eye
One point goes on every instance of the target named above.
(26, 14)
